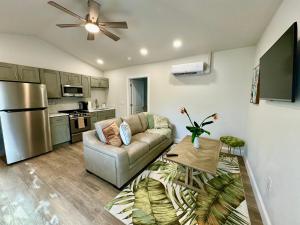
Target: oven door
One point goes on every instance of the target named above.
(72, 91)
(75, 127)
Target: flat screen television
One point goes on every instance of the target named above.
(278, 68)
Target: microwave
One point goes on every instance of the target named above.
(72, 91)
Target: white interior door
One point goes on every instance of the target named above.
(137, 87)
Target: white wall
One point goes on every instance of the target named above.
(273, 138)
(226, 91)
(32, 51)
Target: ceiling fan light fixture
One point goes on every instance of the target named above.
(92, 28)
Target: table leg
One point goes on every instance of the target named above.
(187, 175)
(191, 177)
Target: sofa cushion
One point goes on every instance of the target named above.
(99, 126)
(160, 122)
(125, 133)
(136, 150)
(163, 131)
(134, 123)
(151, 139)
(143, 120)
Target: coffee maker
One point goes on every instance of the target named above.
(83, 105)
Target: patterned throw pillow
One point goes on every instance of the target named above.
(160, 122)
(150, 120)
(112, 135)
(125, 133)
(99, 131)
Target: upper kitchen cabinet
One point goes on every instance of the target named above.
(51, 79)
(100, 82)
(86, 84)
(104, 83)
(8, 72)
(70, 78)
(28, 74)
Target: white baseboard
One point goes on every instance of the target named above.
(261, 206)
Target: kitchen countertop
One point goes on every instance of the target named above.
(57, 114)
(100, 109)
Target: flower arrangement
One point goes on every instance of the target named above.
(197, 129)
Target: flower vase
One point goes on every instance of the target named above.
(197, 143)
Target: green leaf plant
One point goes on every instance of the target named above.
(196, 129)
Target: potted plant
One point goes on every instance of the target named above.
(197, 129)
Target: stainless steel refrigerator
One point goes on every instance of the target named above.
(24, 121)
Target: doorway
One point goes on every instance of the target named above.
(138, 95)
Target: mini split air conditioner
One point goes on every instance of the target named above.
(196, 68)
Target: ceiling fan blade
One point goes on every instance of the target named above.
(109, 34)
(94, 9)
(68, 25)
(91, 36)
(122, 25)
(65, 10)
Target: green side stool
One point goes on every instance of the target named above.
(232, 143)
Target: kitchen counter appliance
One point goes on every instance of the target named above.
(80, 121)
(24, 122)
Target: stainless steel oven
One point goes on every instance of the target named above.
(72, 91)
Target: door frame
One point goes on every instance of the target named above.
(129, 93)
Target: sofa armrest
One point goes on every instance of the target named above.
(91, 141)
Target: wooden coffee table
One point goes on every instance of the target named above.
(204, 159)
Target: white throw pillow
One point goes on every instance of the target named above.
(99, 131)
(125, 133)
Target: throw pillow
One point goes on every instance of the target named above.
(160, 122)
(112, 135)
(150, 120)
(125, 133)
(99, 131)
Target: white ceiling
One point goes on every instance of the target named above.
(202, 25)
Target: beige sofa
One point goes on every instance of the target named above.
(118, 165)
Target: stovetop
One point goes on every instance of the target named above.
(76, 113)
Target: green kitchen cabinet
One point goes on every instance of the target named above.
(86, 85)
(8, 72)
(109, 114)
(95, 82)
(70, 78)
(101, 115)
(28, 74)
(93, 120)
(104, 83)
(60, 132)
(51, 79)
(99, 82)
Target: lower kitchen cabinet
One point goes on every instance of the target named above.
(93, 120)
(60, 132)
(102, 115)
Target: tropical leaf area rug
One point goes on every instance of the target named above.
(154, 198)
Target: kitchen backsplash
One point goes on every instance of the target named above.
(67, 103)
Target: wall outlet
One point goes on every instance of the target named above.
(268, 184)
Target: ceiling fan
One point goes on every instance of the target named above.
(91, 22)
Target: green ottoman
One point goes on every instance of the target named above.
(232, 143)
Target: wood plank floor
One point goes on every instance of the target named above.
(55, 189)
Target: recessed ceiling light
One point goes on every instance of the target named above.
(177, 43)
(129, 58)
(144, 51)
(92, 28)
(100, 61)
